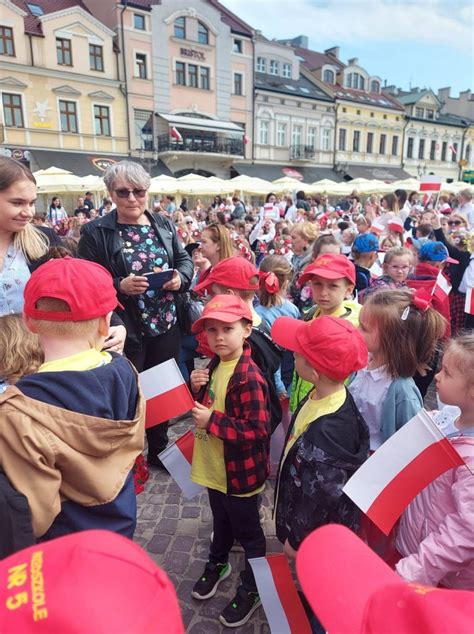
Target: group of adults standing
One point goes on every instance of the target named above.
(129, 242)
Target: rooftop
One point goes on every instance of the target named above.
(301, 87)
(33, 19)
(380, 100)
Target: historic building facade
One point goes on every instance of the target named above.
(61, 102)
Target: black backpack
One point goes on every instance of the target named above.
(16, 528)
(268, 357)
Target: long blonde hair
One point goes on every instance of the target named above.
(20, 349)
(30, 241)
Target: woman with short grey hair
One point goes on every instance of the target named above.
(131, 242)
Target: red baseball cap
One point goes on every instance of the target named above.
(331, 266)
(234, 272)
(85, 286)
(333, 346)
(226, 308)
(352, 590)
(92, 581)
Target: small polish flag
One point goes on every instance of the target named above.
(177, 458)
(377, 227)
(453, 148)
(396, 224)
(166, 393)
(469, 305)
(430, 183)
(442, 288)
(280, 600)
(175, 134)
(402, 467)
(245, 139)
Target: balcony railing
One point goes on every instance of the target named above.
(206, 144)
(299, 152)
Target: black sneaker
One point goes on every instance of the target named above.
(240, 609)
(213, 574)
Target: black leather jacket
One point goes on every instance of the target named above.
(100, 242)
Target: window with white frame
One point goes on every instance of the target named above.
(238, 84)
(238, 46)
(180, 28)
(297, 135)
(139, 22)
(102, 120)
(141, 66)
(204, 78)
(68, 116)
(374, 86)
(419, 112)
(326, 139)
(13, 110)
(286, 71)
(264, 132)
(312, 137)
(328, 76)
(261, 65)
(273, 67)
(203, 33)
(281, 133)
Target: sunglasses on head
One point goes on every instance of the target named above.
(125, 193)
(452, 223)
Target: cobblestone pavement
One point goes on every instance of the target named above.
(176, 533)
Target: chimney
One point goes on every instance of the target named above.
(333, 51)
(353, 61)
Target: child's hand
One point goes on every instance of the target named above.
(289, 551)
(201, 415)
(198, 379)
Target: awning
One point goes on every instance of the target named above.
(82, 164)
(271, 172)
(196, 123)
(378, 172)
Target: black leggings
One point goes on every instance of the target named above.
(157, 350)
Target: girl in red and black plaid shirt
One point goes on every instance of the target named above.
(231, 449)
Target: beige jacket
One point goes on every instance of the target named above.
(50, 454)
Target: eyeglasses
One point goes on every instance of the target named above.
(454, 223)
(125, 193)
(189, 222)
(398, 268)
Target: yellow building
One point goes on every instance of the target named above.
(61, 98)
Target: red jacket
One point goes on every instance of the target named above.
(244, 427)
(425, 277)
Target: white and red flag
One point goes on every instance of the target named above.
(177, 458)
(280, 600)
(166, 393)
(246, 139)
(442, 288)
(430, 183)
(469, 304)
(174, 132)
(453, 148)
(404, 465)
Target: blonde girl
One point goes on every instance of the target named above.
(20, 350)
(275, 275)
(396, 266)
(401, 330)
(435, 536)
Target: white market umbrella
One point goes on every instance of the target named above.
(288, 184)
(93, 183)
(250, 185)
(55, 180)
(409, 184)
(322, 186)
(163, 185)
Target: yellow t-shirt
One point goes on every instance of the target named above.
(312, 410)
(208, 466)
(347, 304)
(87, 360)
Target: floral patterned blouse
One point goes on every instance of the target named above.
(144, 253)
(13, 278)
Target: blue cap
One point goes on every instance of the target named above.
(366, 243)
(435, 252)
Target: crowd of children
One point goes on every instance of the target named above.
(350, 339)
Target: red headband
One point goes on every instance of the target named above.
(422, 300)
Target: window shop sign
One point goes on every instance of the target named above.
(190, 52)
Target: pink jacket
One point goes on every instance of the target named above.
(436, 532)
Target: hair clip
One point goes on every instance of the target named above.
(405, 313)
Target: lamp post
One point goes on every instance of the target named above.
(150, 158)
